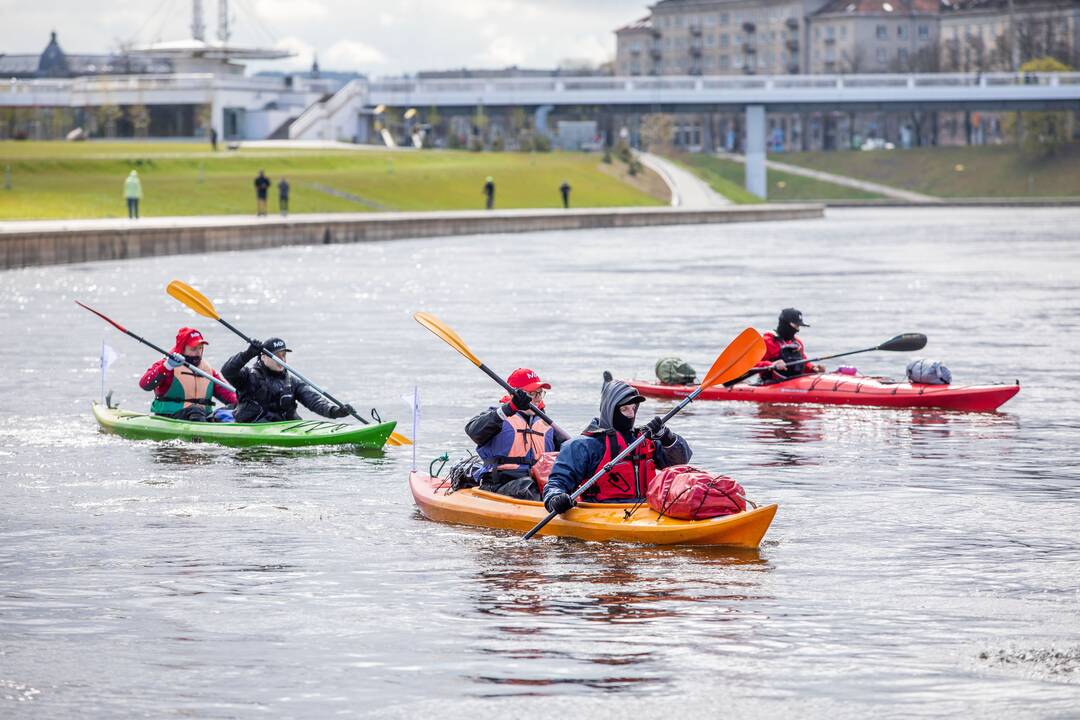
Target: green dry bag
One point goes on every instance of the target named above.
(675, 371)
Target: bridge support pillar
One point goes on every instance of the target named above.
(755, 151)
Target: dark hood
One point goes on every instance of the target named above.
(614, 394)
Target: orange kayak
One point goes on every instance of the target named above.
(600, 522)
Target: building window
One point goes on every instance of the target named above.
(723, 18)
(724, 40)
(843, 31)
(902, 56)
(830, 33)
(882, 56)
(817, 33)
(901, 32)
(710, 40)
(882, 32)
(924, 32)
(724, 62)
(710, 20)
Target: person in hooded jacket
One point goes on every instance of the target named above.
(510, 438)
(783, 349)
(604, 438)
(178, 392)
(266, 391)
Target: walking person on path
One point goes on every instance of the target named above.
(565, 190)
(283, 197)
(133, 194)
(213, 139)
(489, 192)
(262, 186)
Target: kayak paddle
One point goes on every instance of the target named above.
(907, 342)
(452, 339)
(149, 344)
(201, 304)
(736, 359)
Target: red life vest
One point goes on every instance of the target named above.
(629, 479)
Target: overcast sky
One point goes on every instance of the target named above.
(379, 38)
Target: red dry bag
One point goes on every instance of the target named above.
(542, 468)
(685, 493)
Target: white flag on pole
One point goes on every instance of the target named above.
(413, 401)
(108, 357)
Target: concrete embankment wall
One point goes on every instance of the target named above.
(34, 243)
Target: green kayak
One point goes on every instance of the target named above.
(293, 433)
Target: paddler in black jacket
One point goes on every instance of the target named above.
(266, 392)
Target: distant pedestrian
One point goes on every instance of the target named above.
(565, 190)
(489, 192)
(133, 194)
(283, 197)
(213, 139)
(262, 185)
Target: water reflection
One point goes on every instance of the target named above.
(195, 454)
(596, 606)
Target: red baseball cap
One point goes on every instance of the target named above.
(527, 380)
(186, 337)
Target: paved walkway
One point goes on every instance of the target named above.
(887, 191)
(687, 189)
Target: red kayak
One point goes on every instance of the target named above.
(832, 389)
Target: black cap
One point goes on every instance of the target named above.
(275, 345)
(791, 315)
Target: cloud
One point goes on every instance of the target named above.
(284, 12)
(352, 55)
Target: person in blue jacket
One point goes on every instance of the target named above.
(606, 437)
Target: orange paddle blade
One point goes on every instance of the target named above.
(739, 356)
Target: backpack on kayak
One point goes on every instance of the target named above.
(675, 371)
(928, 372)
(683, 492)
(461, 474)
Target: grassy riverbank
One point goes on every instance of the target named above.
(85, 180)
(727, 177)
(955, 172)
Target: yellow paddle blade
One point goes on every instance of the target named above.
(397, 438)
(450, 337)
(739, 356)
(193, 299)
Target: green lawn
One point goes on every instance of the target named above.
(727, 178)
(978, 171)
(85, 180)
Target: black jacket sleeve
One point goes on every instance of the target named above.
(313, 401)
(234, 371)
(482, 428)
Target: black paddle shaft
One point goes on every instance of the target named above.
(614, 461)
(904, 343)
(539, 413)
(318, 389)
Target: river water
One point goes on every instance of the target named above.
(922, 563)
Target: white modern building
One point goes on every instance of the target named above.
(170, 89)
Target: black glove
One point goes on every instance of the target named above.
(519, 402)
(559, 503)
(287, 403)
(656, 430)
(341, 411)
(255, 348)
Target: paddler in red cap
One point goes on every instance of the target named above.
(510, 438)
(180, 393)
